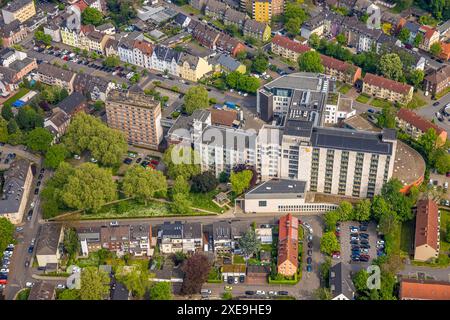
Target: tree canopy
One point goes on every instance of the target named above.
(391, 66)
(196, 98)
(161, 291)
(143, 183)
(249, 243)
(6, 234)
(94, 284)
(39, 139)
(329, 243)
(181, 160)
(196, 270)
(204, 182)
(55, 155)
(240, 181)
(310, 61)
(91, 16)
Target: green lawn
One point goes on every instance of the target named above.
(204, 201)
(406, 237)
(23, 294)
(380, 103)
(345, 88)
(363, 98)
(17, 96)
(416, 102)
(133, 209)
(442, 93)
(237, 259)
(189, 9)
(445, 220)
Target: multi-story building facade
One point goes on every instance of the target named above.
(287, 48)
(388, 89)
(287, 262)
(192, 68)
(16, 190)
(262, 10)
(437, 81)
(165, 59)
(137, 115)
(296, 144)
(54, 76)
(256, 30)
(12, 33)
(415, 126)
(215, 9)
(192, 237)
(171, 236)
(426, 240)
(234, 18)
(21, 10)
(341, 70)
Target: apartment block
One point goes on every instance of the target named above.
(136, 115)
(287, 48)
(55, 76)
(426, 240)
(437, 81)
(287, 262)
(388, 89)
(21, 10)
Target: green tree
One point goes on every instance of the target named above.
(86, 132)
(12, 126)
(391, 66)
(428, 142)
(442, 162)
(249, 243)
(322, 294)
(329, 243)
(331, 218)
(42, 37)
(39, 139)
(436, 49)
(136, 281)
(69, 294)
(240, 181)
(6, 234)
(387, 117)
(418, 40)
(143, 183)
(28, 118)
(112, 61)
(181, 204)
(161, 291)
(89, 188)
(341, 39)
(379, 206)
(345, 211)
(7, 113)
(180, 185)
(314, 41)
(232, 29)
(260, 63)
(310, 62)
(404, 35)
(196, 270)
(294, 10)
(196, 98)
(415, 77)
(361, 211)
(71, 242)
(3, 130)
(293, 25)
(181, 160)
(227, 295)
(204, 182)
(91, 16)
(94, 284)
(360, 281)
(388, 222)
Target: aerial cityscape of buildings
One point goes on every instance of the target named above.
(223, 149)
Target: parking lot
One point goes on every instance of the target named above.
(346, 247)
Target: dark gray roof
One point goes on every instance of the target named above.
(172, 230)
(55, 72)
(412, 27)
(70, 103)
(15, 5)
(192, 230)
(48, 239)
(228, 62)
(180, 18)
(351, 140)
(341, 282)
(274, 186)
(6, 30)
(167, 54)
(13, 186)
(7, 74)
(221, 230)
(139, 231)
(120, 292)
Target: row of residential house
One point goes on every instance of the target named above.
(257, 29)
(14, 66)
(374, 85)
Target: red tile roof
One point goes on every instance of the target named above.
(287, 43)
(81, 5)
(429, 32)
(417, 121)
(427, 224)
(332, 63)
(223, 117)
(288, 240)
(424, 290)
(145, 47)
(385, 83)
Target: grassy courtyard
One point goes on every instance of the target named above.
(416, 102)
(380, 103)
(204, 201)
(363, 98)
(345, 88)
(17, 96)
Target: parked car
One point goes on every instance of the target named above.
(310, 245)
(283, 293)
(336, 255)
(114, 223)
(228, 288)
(27, 264)
(60, 286)
(309, 268)
(309, 252)
(260, 292)
(128, 161)
(309, 260)
(29, 284)
(249, 292)
(30, 249)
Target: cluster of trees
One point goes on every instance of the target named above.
(294, 16)
(249, 243)
(180, 161)
(196, 270)
(87, 133)
(310, 61)
(6, 234)
(260, 63)
(243, 82)
(240, 181)
(40, 36)
(196, 98)
(435, 151)
(143, 184)
(180, 196)
(91, 16)
(111, 61)
(94, 284)
(386, 291)
(122, 11)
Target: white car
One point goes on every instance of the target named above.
(60, 286)
(10, 246)
(113, 223)
(380, 241)
(446, 185)
(273, 293)
(354, 238)
(354, 230)
(93, 160)
(33, 241)
(260, 292)
(245, 94)
(4, 270)
(29, 284)
(18, 229)
(32, 205)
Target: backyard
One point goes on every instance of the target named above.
(363, 98)
(416, 102)
(17, 96)
(204, 201)
(345, 88)
(380, 103)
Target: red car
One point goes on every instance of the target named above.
(448, 174)
(154, 162)
(336, 255)
(3, 281)
(337, 233)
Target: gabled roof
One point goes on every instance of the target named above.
(287, 43)
(288, 240)
(411, 289)
(55, 72)
(335, 64)
(228, 62)
(385, 83)
(438, 76)
(70, 103)
(417, 121)
(341, 282)
(235, 16)
(167, 54)
(215, 6)
(428, 32)
(255, 26)
(144, 47)
(427, 224)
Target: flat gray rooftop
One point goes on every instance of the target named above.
(279, 186)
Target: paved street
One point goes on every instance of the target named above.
(429, 112)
